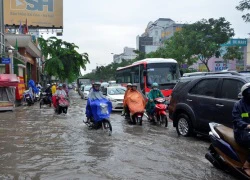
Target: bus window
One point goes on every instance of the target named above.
(136, 74)
(162, 74)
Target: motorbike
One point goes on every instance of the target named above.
(103, 123)
(28, 97)
(160, 114)
(45, 99)
(137, 118)
(224, 153)
(38, 95)
(61, 104)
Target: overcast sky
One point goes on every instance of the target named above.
(101, 27)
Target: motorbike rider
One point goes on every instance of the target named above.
(60, 91)
(38, 85)
(53, 88)
(32, 89)
(94, 94)
(125, 108)
(152, 95)
(134, 100)
(241, 122)
(48, 91)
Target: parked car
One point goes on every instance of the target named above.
(86, 90)
(199, 100)
(115, 95)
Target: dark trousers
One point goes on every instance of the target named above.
(244, 140)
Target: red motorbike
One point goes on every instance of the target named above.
(160, 114)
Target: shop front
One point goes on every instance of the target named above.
(24, 60)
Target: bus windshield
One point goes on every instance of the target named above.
(162, 73)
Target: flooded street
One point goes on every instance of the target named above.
(37, 144)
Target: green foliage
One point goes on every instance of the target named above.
(198, 41)
(244, 5)
(106, 73)
(233, 52)
(62, 59)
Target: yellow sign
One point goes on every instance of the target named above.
(42, 13)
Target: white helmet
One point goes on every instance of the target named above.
(244, 87)
(48, 84)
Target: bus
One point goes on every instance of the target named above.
(145, 72)
(82, 81)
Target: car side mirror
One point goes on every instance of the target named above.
(239, 96)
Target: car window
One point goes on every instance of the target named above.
(231, 88)
(205, 87)
(116, 91)
(87, 88)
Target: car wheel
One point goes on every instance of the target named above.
(184, 126)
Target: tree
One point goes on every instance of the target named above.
(62, 59)
(139, 55)
(199, 41)
(244, 5)
(106, 73)
(233, 52)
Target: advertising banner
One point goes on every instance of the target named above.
(219, 66)
(42, 13)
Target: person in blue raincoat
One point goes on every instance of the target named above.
(32, 88)
(98, 106)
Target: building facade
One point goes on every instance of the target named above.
(128, 54)
(219, 64)
(155, 34)
(2, 41)
(169, 31)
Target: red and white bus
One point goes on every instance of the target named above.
(165, 72)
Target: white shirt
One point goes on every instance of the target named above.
(61, 92)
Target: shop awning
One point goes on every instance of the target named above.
(8, 80)
(24, 41)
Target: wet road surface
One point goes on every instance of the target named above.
(37, 144)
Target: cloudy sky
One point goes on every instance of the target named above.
(101, 27)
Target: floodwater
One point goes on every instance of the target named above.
(37, 144)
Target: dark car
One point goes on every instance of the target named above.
(199, 100)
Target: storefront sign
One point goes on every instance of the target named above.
(236, 42)
(5, 60)
(220, 66)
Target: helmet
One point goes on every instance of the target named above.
(244, 88)
(48, 84)
(129, 84)
(155, 84)
(60, 85)
(134, 85)
(97, 83)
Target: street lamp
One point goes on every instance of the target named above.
(10, 52)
